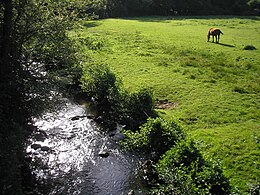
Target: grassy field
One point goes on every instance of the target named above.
(214, 89)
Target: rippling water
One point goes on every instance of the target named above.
(66, 150)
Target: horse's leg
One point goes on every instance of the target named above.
(213, 36)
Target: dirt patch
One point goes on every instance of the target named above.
(165, 104)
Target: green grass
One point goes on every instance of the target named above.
(215, 87)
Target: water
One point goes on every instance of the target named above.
(65, 151)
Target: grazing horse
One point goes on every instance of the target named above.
(214, 32)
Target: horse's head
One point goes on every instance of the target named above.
(208, 35)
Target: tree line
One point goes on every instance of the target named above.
(126, 8)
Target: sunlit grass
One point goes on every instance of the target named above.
(237, 147)
(215, 87)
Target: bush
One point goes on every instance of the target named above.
(112, 102)
(183, 170)
(154, 138)
(137, 107)
(101, 85)
(249, 47)
(99, 82)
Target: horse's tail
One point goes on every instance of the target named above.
(221, 32)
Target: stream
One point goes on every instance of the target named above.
(71, 154)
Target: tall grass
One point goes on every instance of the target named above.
(214, 87)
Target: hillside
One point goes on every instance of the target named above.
(213, 89)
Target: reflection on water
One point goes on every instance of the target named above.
(66, 150)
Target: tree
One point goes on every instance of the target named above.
(34, 40)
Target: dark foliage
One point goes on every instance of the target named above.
(183, 170)
(126, 8)
(114, 104)
(249, 47)
(35, 56)
(154, 138)
(255, 189)
(136, 108)
(175, 165)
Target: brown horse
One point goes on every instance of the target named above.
(214, 32)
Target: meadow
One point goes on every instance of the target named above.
(213, 90)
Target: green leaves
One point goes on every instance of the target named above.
(137, 106)
(99, 82)
(154, 137)
(113, 101)
(183, 170)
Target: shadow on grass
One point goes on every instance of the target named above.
(227, 45)
(223, 44)
(91, 24)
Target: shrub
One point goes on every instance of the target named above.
(183, 170)
(98, 82)
(154, 138)
(249, 47)
(137, 107)
(114, 103)
(102, 86)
